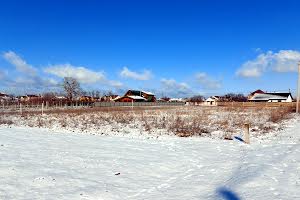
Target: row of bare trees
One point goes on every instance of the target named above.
(230, 97)
(72, 89)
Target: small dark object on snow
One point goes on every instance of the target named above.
(117, 173)
(238, 138)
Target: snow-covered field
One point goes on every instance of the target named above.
(45, 164)
(184, 121)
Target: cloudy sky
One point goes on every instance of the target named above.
(173, 48)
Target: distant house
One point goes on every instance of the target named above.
(162, 100)
(60, 97)
(97, 99)
(29, 97)
(212, 101)
(107, 98)
(177, 100)
(86, 98)
(137, 96)
(4, 97)
(272, 97)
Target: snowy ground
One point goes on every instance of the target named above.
(42, 164)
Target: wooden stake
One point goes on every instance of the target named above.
(298, 89)
(247, 134)
(42, 108)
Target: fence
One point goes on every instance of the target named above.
(13, 106)
(59, 105)
(257, 104)
(134, 104)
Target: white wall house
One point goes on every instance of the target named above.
(211, 101)
(272, 97)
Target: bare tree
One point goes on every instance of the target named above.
(48, 96)
(197, 98)
(97, 94)
(71, 87)
(234, 97)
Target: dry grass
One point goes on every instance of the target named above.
(183, 121)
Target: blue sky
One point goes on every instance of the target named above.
(174, 48)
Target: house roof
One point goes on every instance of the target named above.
(3, 95)
(283, 94)
(32, 95)
(269, 96)
(118, 97)
(136, 97)
(60, 97)
(149, 93)
(257, 91)
(212, 98)
(134, 92)
(139, 92)
(177, 99)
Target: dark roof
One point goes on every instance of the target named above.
(283, 94)
(32, 95)
(3, 95)
(135, 92)
(139, 92)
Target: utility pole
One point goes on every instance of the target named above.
(298, 89)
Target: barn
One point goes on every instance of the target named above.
(272, 97)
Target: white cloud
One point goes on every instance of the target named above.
(32, 79)
(286, 61)
(282, 61)
(19, 63)
(27, 77)
(36, 82)
(143, 76)
(171, 83)
(207, 82)
(82, 74)
(172, 88)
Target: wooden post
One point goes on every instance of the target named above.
(21, 108)
(132, 104)
(247, 134)
(42, 108)
(298, 89)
